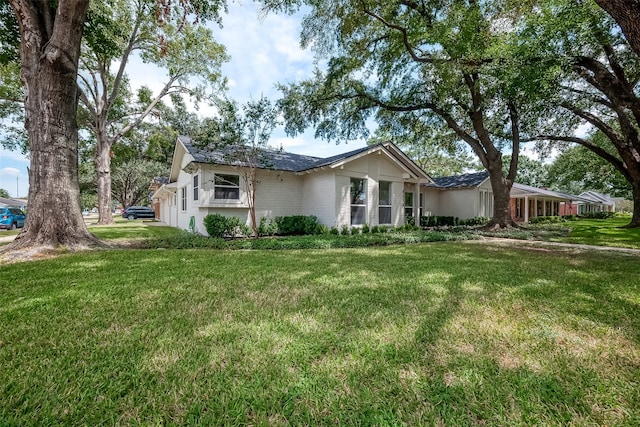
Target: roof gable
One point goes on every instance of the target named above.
(285, 161)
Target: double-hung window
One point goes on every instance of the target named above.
(196, 189)
(226, 187)
(408, 205)
(183, 198)
(358, 201)
(384, 202)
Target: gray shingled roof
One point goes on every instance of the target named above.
(460, 181)
(273, 159)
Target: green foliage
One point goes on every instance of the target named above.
(345, 230)
(220, 226)
(546, 220)
(598, 215)
(474, 221)
(4, 193)
(577, 169)
(296, 225)
(365, 228)
(130, 180)
(438, 221)
(267, 227)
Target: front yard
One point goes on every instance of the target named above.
(425, 334)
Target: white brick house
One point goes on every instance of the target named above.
(374, 185)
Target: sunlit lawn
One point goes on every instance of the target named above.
(603, 232)
(426, 334)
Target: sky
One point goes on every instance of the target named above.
(263, 50)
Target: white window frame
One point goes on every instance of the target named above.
(358, 201)
(388, 206)
(230, 185)
(183, 198)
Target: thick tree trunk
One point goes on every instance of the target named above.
(103, 170)
(501, 188)
(49, 52)
(635, 218)
(627, 14)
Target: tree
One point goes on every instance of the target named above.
(532, 172)
(430, 62)
(577, 169)
(130, 180)
(117, 31)
(50, 35)
(627, 14)
(243, 135)
(593, 75)
(4, 193)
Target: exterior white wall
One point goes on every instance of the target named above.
(374, 168)
(462, 203)
(431, 201)
(319, 196)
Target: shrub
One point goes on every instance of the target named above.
(546, 220)
(438, 221)
(216, 225)
(355, 231)
(345, 230)
(322, 229)
(598, 215)
(220, 226)
(267, 229)
(334, 231)
(297, 225)
(474, 221)
(375, 229)
(365, 229)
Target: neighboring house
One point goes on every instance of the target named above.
(470, 195)
(15, 203)
(463, 196)
(530, 202)
(154, 186)
(375, 185)
(595, 202)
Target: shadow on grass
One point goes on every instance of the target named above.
(425, 334)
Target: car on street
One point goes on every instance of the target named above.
(11, 218)
(135, 212)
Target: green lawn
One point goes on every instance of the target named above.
(424, 334)
(602, 232)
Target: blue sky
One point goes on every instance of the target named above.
(264, 51)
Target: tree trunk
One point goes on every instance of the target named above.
(635, 218)
(501, 188)
(103, 171)
(627, 14)
(49, 51)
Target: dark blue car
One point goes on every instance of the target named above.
(11, 218)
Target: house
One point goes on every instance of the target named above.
(592, 201)
(470, 195)
(530, 202)
(374, 185)
(463, 196)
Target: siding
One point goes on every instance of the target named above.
(319, 196)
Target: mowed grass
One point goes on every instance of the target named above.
(425, 334)
(602, 232)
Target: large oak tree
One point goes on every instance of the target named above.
(405, 62)
(50, 36)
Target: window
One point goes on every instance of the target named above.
(196, 191)
(183, 198)
(226, 187)
(358, 201)
(384, 202)
(408, 205)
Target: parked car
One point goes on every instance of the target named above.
(11, 218)
(135, 212)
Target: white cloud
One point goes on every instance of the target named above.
(15, 156)
(9, 172)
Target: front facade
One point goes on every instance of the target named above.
(375, 185)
